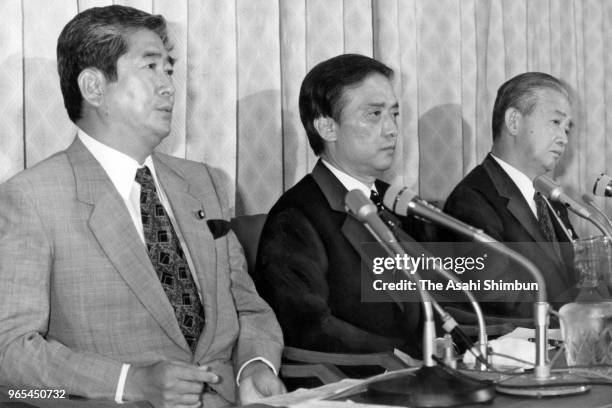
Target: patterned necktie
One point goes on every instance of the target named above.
(544, 221)
(375, 198)
(168, 260)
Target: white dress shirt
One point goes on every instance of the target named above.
(121, 170)
(524, 183)
(348, 181)
(525, 186)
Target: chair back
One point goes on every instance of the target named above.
(248, 230)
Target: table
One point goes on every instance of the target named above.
(600, 396)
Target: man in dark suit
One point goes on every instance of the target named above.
(310, 254)
(532, 119)
(118, 281)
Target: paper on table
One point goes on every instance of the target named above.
(342, 388)
(338, 404)
(525, 333)
(519, 344)
(312, 394)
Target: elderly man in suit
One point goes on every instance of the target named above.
(118, 278)
(532, 119)
(311, 250)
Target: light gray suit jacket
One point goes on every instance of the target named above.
(78, 293)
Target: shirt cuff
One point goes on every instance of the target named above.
(121, 383)
(263, 360)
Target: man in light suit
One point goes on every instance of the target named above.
(119, 278)
(311, 250)
(532, 118)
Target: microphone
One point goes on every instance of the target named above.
(541, 375)
(603, 186)
(554, 192)
(449, 324)
(359, 205)
(402, 201)
(365, 211)
(431, 385)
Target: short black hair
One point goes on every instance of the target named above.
(520, 92)
(323, 87)
(95, 38)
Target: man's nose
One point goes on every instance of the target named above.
(562, 137)
(390, 125)
(166, 85)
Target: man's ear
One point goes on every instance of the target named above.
(326, 127)
(513, 119)
(91, 83)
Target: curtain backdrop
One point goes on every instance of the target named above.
(241, 62)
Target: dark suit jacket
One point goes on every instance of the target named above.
(309, 270)
(79, 295)
(488, 199)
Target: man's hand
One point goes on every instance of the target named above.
(168, 384)
(258, 381)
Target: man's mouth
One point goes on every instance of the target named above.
(557, 153)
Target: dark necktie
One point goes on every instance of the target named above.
(168, 260)
(544, 220)
(375, 198)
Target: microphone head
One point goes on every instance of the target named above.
(359, 205)
(554, 192)
(601, 185)
(547, 187)
(397, 199)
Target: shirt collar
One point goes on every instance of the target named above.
(348, 181)
(522, 181)
(121, 168)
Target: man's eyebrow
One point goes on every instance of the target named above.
(381, 105)
(157, 54)
(151, 54)
(565, 115)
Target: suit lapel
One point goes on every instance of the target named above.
(186, 201)
(519, 208)
(352, 229)
(114, 230)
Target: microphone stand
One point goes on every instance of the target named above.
(392, 247)
(449, 322)
(431, 385)
(540, 307)
(540, 382)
